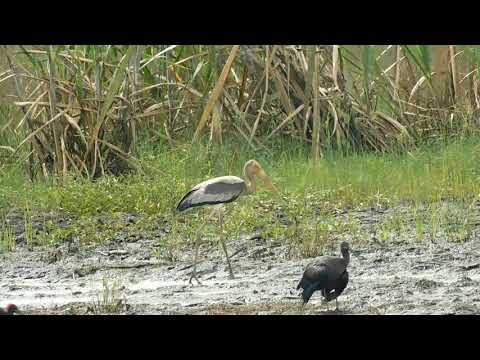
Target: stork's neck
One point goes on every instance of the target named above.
(250, 182)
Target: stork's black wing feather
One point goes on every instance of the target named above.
(182, 204)
(220, 190)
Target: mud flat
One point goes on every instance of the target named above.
(392, 277)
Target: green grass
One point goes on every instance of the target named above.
(310, 192)
(111, 299)
(428, 173)
(7, 240)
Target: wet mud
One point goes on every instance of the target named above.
(401, 276)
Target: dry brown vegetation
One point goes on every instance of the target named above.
(82, 108)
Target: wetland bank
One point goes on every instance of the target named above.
(396, 276)
(415, 250)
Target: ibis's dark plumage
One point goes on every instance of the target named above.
(328, 274)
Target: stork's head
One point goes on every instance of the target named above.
(12, 309)
(252, 169)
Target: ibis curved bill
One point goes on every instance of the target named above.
(222, 190)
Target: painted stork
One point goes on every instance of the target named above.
(219, 191)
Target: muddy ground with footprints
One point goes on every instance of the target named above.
(398, 276)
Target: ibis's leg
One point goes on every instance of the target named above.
(301, 307)
(336, 304)
(327, 299)
(222, 240)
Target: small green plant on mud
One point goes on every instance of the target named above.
(29, 231)
(277, 232)
(460, 219)
(52, 234)
(87, 229)
(169, 244)
(419, 223)
(180, 231)
(111, 298)
(7, 238)
(312, 239)
(392, 226)
(308, 240)
(383, 233)
(436, 220)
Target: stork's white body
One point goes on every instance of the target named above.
(219, 190)
(222, 190)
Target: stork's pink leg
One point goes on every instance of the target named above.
(197, 247)
(194, 271)
(222, 241)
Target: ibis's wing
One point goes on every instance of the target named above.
(335, 289)
(334, 266)
(315, 269)
(219, 190)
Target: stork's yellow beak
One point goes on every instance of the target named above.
(268, 183)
